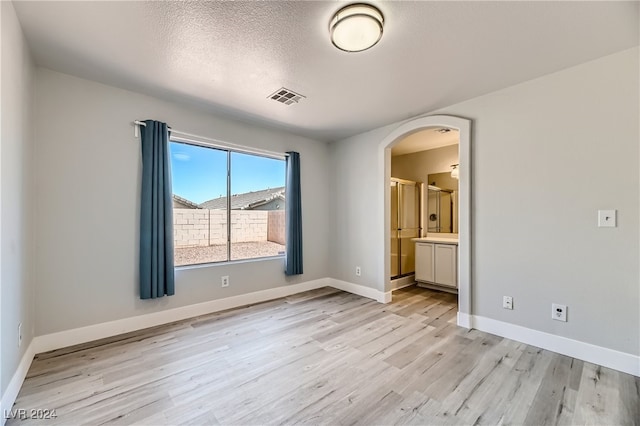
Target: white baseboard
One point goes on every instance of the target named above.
(610, 358)
(15, 384)
(62, 339)
(360, 290)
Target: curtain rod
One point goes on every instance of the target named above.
(209, 142)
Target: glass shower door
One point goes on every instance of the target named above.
(405, 225)
(409, 226)
(394, 230)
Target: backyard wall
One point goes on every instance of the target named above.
(275, 226)
(203, 227)
(248, 225)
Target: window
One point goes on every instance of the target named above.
(227, 205)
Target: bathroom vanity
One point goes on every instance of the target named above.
(437, 263)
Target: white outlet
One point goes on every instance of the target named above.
(507, 302)
(559, 312)
(19, 334)
(225, 281)
(358, 271)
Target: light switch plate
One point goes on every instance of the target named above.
(606, 218)
(507, 302)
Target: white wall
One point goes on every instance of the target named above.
(531, 239)
(357, 218)
(87, 157)
(16, 149)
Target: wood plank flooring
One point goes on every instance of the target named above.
(324, 357)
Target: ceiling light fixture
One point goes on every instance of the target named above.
(455, 171)
(356, 27)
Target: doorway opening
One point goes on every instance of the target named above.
(463, 204)
(424, 200)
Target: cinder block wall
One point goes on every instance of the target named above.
(202, 227)
(248, 225)
(275, 226)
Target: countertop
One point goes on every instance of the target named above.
(439, 240)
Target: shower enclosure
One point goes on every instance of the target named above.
(440, 210)
(405, 225)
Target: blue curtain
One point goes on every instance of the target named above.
(156, 213)
(293, 216)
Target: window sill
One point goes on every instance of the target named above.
(230, 262)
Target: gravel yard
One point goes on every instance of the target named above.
(218, 253)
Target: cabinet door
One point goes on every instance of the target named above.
(446, 265)
(424, 262)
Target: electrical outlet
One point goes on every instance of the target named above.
(559, 312)
(358, 271)
(507, 302)
(19, 334)
(225, 281)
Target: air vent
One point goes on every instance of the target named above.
(286, 96)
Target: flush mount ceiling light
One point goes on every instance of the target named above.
(356, 27)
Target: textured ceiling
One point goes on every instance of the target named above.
(229, 56)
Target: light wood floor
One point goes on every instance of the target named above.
(325, 357)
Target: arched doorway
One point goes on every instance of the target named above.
(464, 235)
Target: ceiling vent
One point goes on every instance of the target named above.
(286, 96)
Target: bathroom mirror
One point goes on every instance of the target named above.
(441, 210)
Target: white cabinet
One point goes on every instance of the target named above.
(445, 264)
(437, 264)
(425, 258)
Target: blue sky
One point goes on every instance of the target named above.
(199, 174)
